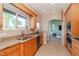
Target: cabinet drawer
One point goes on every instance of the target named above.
(75, 51)
(2, 53)
(75, 47)
(75, 43)
(12, 48)
(14, 53)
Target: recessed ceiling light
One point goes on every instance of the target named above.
(44, 11)
(53, 12)
(52, 3)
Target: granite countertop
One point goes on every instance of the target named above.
(9, 42)
(75, 37)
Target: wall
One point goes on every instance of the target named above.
(48, 18)
(44, 23)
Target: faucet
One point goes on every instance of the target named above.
(22, 33)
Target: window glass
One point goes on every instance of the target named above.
(9, 21)
(21, 22)
(13, 22)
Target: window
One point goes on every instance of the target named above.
(21, 21)
(9, 20)
(53, 26)
(13, 22)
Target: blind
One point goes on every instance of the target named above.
(9, 11)
(22, 16)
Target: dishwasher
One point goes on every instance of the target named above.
(38, 42)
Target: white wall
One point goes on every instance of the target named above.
(45, 23)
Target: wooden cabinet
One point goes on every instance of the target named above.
(34, 47)
(14, 53)
(33, 22)
(2, 53)
(29, 47)
(75, 19)
(75, 47)
(11, 51)
(72, 15)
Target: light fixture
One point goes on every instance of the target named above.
(44, 11)
(53, 12)
(52, 3)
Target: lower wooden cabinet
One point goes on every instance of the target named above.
(14, 53)
(75, 47)
(2, 53)
(33, 46)
(11, 51)
(29, 47)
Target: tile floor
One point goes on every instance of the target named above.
(53, 48)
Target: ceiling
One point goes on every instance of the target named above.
(48, 9)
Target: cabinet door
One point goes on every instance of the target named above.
(13, 50)
(33, 47)
(14, 53)
(75, 47)
(30, 47)
(75, 19)
(33, 22)
(2, 53)
(27, 48)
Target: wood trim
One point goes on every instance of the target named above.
(68, 9)
(1, 17)
(23, 8)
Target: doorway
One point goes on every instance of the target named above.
(55, 29)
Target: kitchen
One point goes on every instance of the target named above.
(23, 33)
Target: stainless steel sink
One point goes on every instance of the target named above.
(25, 37)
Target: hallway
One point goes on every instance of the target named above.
(53, 48)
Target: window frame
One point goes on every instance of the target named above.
(17, 15)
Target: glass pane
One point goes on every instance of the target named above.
(9, 21)
(21, 22)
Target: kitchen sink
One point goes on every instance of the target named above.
(24, 37)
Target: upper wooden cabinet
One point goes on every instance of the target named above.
(33, 22)
(72, 15)
(1, 16)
